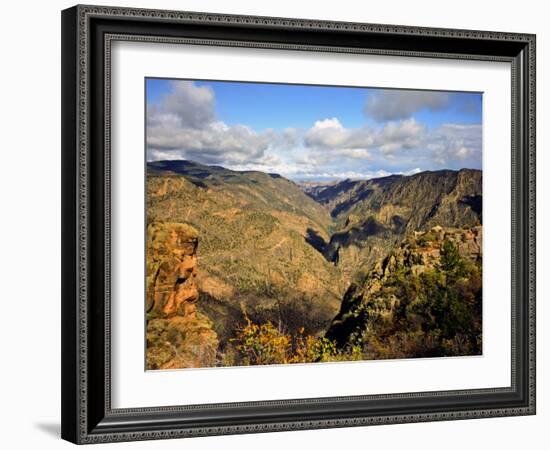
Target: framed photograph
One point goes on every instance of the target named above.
(280, 224)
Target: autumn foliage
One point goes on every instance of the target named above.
(260, 344)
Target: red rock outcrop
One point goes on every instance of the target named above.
(177, 335)
(172, 270)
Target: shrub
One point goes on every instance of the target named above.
(261, 344)
(451, 262)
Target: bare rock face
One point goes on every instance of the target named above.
(177, 335)
(171, 270)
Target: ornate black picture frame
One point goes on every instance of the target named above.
(87, 34)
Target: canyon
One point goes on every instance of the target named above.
(226, 249)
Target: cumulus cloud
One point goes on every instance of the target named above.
(330, 135)
(396, 144)
(187, 106)
(405, 134)
(455, 143)
(183, 125)
(212, 144)
(390, 104)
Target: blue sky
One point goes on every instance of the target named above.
(312, 132)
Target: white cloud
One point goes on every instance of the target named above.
(455, 143)
(398, 145)
(216, 143)
(390, 104)
(398, 135)
(330, 135)
(187, 106)
(183, 125)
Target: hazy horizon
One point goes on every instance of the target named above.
(312, 180)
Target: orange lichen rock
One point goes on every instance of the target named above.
(177, 335)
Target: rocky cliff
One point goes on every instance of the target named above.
(422, 299)
(372, 216)
(177, 335)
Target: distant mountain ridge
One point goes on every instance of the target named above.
(371, 216)
(340, 197)
(199, 171)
